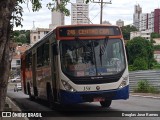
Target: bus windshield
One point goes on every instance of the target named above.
(80, 58)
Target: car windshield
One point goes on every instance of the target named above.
(92, 57)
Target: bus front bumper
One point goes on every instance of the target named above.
(67, 97)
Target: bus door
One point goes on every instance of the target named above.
(34, 74)
(54, 69)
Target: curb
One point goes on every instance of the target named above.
(13, 107)
(145, 96)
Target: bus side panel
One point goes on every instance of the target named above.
(23, 76)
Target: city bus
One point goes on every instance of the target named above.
(75, 64)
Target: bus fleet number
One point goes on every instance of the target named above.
(87, 88)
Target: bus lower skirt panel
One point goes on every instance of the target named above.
(67, 97)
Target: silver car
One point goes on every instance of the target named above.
(17, 87)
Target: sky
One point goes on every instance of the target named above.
(119, 9)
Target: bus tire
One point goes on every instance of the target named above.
(29, 92)
(50, 96)
(106, 103)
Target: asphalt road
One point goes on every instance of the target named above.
(85, 111)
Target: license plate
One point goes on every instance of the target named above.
(98, 99)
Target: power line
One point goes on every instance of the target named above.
(101, 11)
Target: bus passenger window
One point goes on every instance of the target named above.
(46, 54)
(39, 56)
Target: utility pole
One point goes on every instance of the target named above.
(101, 12)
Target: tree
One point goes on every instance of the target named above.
(11, 9)
(155, 35)
(126, 31)
(140, 53)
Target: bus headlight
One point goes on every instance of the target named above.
(124, 82)
(68, 87)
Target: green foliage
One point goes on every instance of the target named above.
(156, 66)
(143, 86)
(126, 31)
(156, 47)
(140, 53)
(140, 64)
(21, 36)
(155, 35)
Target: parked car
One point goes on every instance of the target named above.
(16, 79)
(17, 87)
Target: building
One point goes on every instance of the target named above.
(157, 56)
(157, 20)
(157, 41)
(145, 34)
(79, 12)
(106, 22)
(146, 22)
(136, 15)
(37, 34)
(120, 23)
(16, 59)
(57, 19)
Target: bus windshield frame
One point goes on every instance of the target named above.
(88, 58)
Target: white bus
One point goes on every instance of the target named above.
(77, 63)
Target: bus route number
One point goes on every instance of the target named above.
(87, 88)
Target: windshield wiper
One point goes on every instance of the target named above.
(102, 49)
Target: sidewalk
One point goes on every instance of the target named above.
(11, 106)
(147, 95)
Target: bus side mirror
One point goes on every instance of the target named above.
(55, 49)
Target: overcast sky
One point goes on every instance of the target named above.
(119, 9)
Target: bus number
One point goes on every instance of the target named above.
(87, 88)
(71, 32)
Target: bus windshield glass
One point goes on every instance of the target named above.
(80, 58)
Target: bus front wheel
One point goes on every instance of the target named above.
(106, 103)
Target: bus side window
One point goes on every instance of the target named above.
(46, 54)
(40, 56)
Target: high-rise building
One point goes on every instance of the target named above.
(79, 12)
(57, 19)
(136, 15)
(120, 23)
(146, 22)
(157, 20)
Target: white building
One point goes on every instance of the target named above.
(146, 22)
(157, 41)
(143, 22)
(37, 34)
(120, 23)
(16, 59)
(157, 56)
(151, 21)
(136, 15)
(79, 12)
(57, 19)
(145, 34)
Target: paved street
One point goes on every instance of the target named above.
(89, 110)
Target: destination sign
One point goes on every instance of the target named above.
(89, 31)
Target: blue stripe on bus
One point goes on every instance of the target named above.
(67, 97)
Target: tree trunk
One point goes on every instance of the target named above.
(6, 9)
